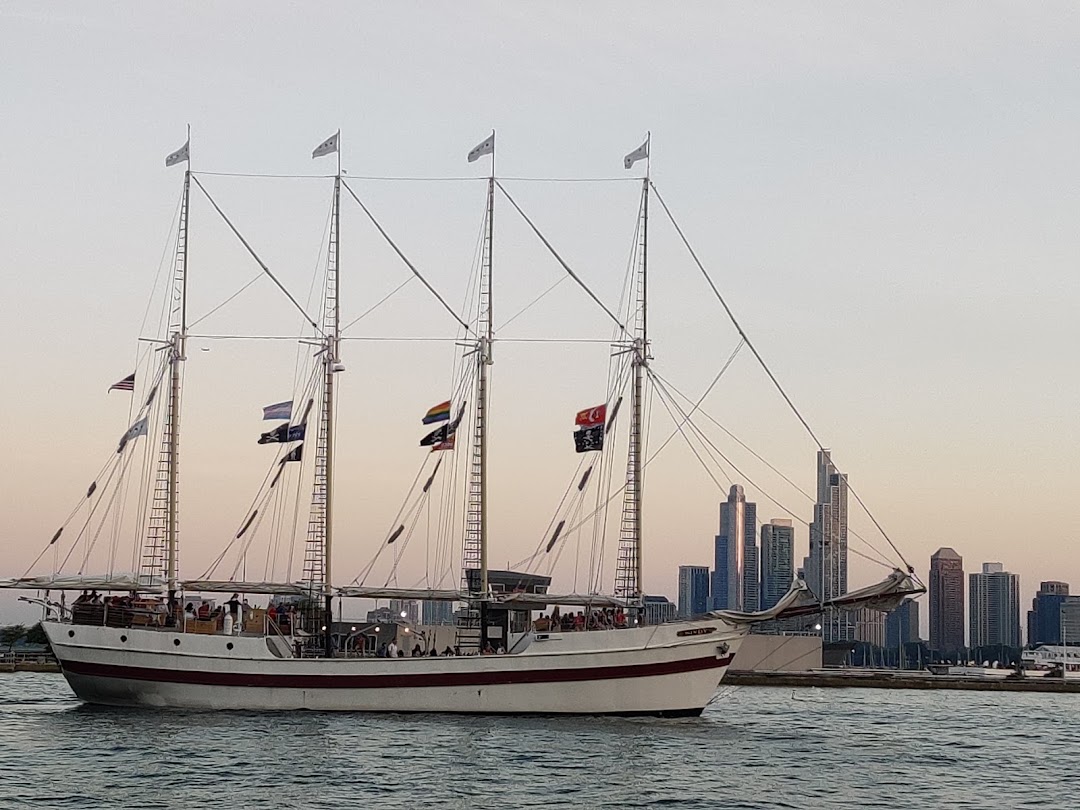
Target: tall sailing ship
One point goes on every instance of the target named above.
(148, 647)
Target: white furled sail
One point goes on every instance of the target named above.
(80, 582)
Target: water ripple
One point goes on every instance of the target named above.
(754, 748)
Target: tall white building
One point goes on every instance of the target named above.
(993, 607)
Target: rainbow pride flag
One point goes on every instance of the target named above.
(439, 413)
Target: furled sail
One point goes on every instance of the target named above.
(430, 594)
(85, 583)
(231, 586)
(800, 601)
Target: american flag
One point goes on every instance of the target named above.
(126, 384)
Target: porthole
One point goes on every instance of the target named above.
(123, 638)
(176, 642)
(71, 634)
(229, 646)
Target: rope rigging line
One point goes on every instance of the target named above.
(416, 179)
(764, 365)
(378, 303)
(561, 261)
(404, 258)
(753, 452)
(706, 441)
(530, 305)
(227, 301)
(262, 495)
(697, 405)
(255, 256)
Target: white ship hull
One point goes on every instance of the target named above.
(670, 669)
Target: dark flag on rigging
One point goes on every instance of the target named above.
(440, 435)
(283, 433)
(296, 454)
(589, 438)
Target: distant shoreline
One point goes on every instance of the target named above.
(30, 666)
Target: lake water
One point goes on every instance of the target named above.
(753, 748)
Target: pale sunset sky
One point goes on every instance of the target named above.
(887, 195)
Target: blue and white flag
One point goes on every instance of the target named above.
(281, 410)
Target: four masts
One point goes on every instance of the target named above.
(318, 564)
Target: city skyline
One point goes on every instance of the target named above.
(904, 213)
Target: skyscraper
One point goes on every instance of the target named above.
(693, 590)
(946, 602)
(827, 565)
(735, 581)
(869, 626)
(902, 624)
(777, 560)
(994, 611)
(1044, 618)
(438, 612)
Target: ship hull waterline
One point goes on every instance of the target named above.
(668, 670)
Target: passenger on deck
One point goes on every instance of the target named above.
(391, 650)
(556, 619)
(271, 612)
(189, 612)
(204, 611)
(417, 651)
(83, 597)
(434, 653)
(579, 621)
(488, 649)
(95, 598)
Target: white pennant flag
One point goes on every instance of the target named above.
(179, 156)
(485, 147)
(327, 147)
(640, 153)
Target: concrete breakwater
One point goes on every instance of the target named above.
(30, 666)
(872, 679)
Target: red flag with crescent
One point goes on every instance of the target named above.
(592, 416)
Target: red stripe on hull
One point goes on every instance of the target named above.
(262, 680)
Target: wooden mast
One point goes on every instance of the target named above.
(177, 355)
(332, 366)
